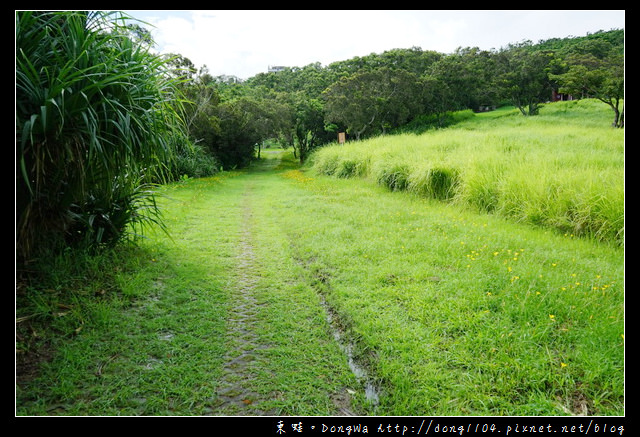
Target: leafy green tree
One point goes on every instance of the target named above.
(311, 79)
(413, 60)
(200, 106)
(245, 123)
(598, 43)
(96, 122)
(372, 101)
(201, 97)
(235, 142)
(523, 77)
(598, 77)
(467, 75)
(275, 117)
(437, 97)
(308, 124)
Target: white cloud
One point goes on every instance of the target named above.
(245, 43)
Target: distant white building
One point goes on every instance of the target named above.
(275, 68)
(224, 78)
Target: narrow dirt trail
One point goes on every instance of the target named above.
(235, 392)
(236, 388)
(223, 321)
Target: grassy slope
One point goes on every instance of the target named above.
(485, 316)
(466, 314)
(453, 313)
(563, 169)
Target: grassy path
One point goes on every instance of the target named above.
(242, 323)
(279, 357)
(282, 293)
(242, 345)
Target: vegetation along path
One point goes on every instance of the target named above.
(281, 292)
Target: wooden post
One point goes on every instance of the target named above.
(341, 137)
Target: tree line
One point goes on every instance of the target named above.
(100, 119)
(304, 107)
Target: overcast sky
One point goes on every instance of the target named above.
(244, 43)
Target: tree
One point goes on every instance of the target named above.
(598, 77)
(438, 99)
(523, 77)
(180, 67)
(467, 75)
(244, 123)
(308, 124)
(97, 121)
(201, 100)
(372, 101)
(413, 60)
(235, 142)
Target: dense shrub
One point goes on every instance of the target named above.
(393, 175)
(195, 162)
(97, 122)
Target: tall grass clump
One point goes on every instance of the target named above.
(325, 163)
(437, 182)
(392, 174)
(97, 123)
(563, 169)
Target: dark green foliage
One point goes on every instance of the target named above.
(400, 89)
(236, 141)
(97, 121)
(195, 162)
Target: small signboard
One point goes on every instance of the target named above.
(341, 137)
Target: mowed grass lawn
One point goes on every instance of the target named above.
(450, 311)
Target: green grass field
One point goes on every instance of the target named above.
(287, 291)
(563, 169)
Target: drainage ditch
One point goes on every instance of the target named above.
(371, 391)
(348, 347)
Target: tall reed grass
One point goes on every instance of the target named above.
(563, 169)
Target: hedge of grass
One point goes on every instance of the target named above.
(562, 169)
